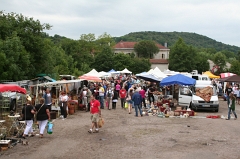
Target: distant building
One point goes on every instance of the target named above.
(159, 60)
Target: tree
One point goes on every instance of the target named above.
(146, 49)
(104, 40)
(235, 67)
(202, 64)
(14, 59)
(103, 61)
(121, 61)
(139, 65)
(30, 35)
(220, 60)
(182, 57)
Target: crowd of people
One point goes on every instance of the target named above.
(129, 90)
(132, 93)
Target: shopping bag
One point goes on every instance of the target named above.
(106, 103)
(100, 122)
(49, 127)
(125, 105)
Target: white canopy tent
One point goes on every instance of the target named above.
(170, 73)
(158, 73)
(150, 71)
(93, 72)
(104, 74)
(125, 71)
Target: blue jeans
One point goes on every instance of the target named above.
(101, 102)
(233, 111)
(136, 109)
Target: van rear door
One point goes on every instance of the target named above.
(184, 96)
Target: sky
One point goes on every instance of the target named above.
(216, 19)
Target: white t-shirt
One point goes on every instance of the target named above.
(235, 90)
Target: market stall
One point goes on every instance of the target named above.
(182, 80)
(71, 87)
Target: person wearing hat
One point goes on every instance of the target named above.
(28, 115)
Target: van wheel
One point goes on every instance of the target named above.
(216, 110)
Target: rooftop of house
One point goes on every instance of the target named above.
(130, 45)
(158, 61)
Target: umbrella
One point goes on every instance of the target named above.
(234, 78)
(90, 78)
(148, 77)
(223, 75)
(178, 79)
(12, 88)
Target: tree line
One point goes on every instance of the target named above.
(27, 50)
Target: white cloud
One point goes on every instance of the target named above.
(217, 19)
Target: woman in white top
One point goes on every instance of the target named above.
(63, 99)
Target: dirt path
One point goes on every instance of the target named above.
(126, 136)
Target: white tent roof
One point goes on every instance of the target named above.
(150, 71)
(102, 73)
(125, 71)
(158, 73)
(93, 72)
(170, 73)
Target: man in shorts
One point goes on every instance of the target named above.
(95, 112)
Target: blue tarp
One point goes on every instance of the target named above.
(178, 79)
(112, 71)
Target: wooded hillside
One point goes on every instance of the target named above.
(193, 39)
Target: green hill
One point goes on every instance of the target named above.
(196, 40)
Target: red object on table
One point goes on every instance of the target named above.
(162, 109)
(159, 104)
(191, 113)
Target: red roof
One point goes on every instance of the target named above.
(123, 44)
(130, 45)
(158, 61)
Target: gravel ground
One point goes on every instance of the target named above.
(127, 136)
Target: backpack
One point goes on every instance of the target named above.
(109, 94)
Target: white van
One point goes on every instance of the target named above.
(187, 97)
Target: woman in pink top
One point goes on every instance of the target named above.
(117, 88)
(142, 93)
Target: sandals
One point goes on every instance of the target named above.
(96, 131)
(90, 131)
(41, 135)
